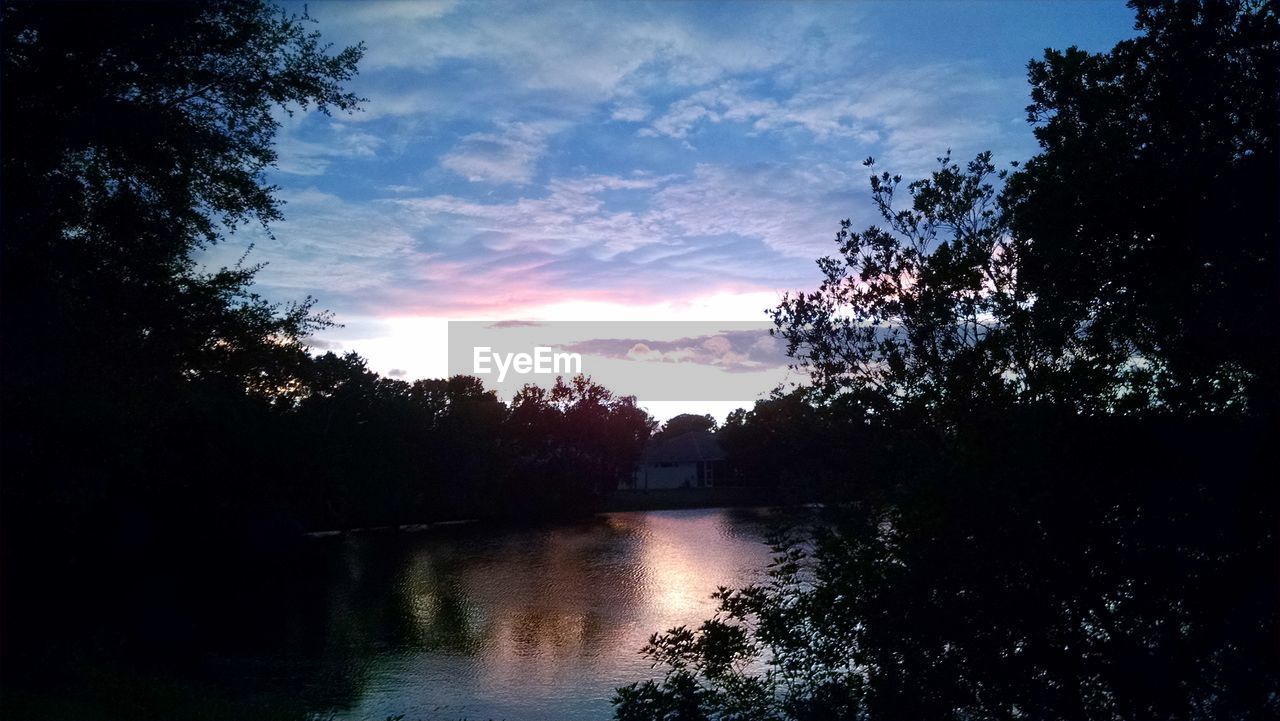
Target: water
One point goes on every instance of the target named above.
(479, 622)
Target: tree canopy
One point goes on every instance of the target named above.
(132, 136)
(686, 422)
(1130, 266)
(1150, 212)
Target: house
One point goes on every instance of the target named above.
(690, 460)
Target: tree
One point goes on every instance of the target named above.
(783, 442)
(573, 443)
(920, 318)
(132, 136)
(685, 423)
(1150, 212)
(1072, 388)
(1131, 266)
(142, 397)
(1023, 579)
(463, 451)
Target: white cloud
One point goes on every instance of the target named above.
(313, 157)
(631, 112)
(723, 103)
(572, 216)
(916, 112)
(792, 209)
(326, 246)
(792, 212)
(399, 11)
(447, 252)
(507, 156)
(570, 57)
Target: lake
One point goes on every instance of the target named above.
(484, 622)
(474, 621)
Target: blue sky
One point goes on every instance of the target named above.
(595, 161)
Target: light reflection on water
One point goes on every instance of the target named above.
(533, 623)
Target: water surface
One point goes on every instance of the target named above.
(520, 623)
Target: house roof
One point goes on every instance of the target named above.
(685, 448)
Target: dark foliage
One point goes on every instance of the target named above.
(1045, 416)
(1158, 177)
(132, 136)
(1033, 566)
(684, 423)
(163, 425)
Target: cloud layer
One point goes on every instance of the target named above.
(515, 158)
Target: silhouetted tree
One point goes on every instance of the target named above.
(143, 398)
(467, 453)
(171, 422)
(573, 444)
(1051, 568)
(133, 135)
(1150, 212)
(920, 318)
(1069, 389)
(782, 443)
(686, 422)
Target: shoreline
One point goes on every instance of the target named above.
(666, 499)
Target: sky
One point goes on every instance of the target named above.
(611, 161)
